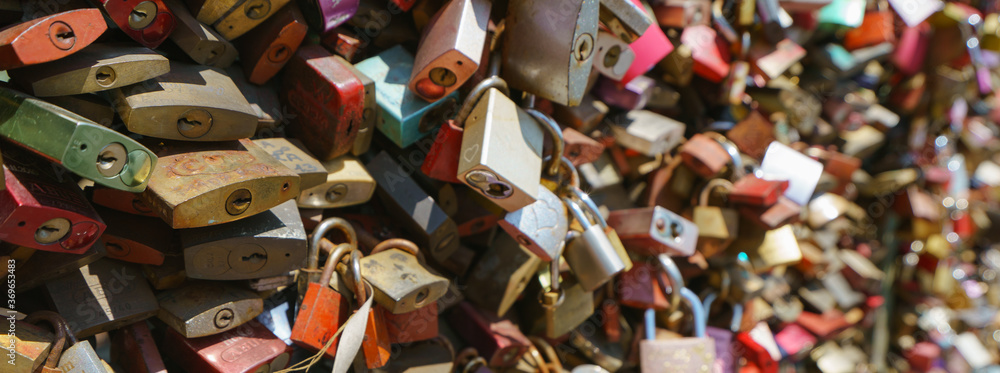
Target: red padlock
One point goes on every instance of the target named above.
(49, 38)
(41, 213)
(323, 309)
(120, 200)
(248, 348)
(136, 239)
(752, 190)
(148, 22)
(415, 326)
(265, 49)
(134, 349)
(327, 100)
(709, 60)
(343, 43)
(498, 339)
(704, 155)
(876, 28)
(642, 287)
(760, 348)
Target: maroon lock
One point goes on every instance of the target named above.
(498, 339)
(148, 22)
(642, 287)
(752, 190)
(250, 347)
(414, 326)
(134, 349)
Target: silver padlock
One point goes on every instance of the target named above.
(540, 227)
(591, 256)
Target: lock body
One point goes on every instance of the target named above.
(418, 325)
(384, 271)
(81, 357)
(326, 15)
(501, 152)
(327, 99)
(45, 265)
(232, 18)
(120, 200)
(264, 245)
(593, 258)
(173, 107)
(136, 239)
(347, 183)
(97, 68)
(266, 49)
(97, 153)
(550, 48)
(49, 38)
(403, 117)
(102, 296)
(321, 313)
(626, 20)
(292, 154)
(199, 41)
(541, 226)
(654, 230)
(501, 275)
(214, 183)
(148, 22)
(31, 347)
(450, 49)
(134, 349)
(647, 132)
(201, 309)
(640, 287)
(248, 348)
(498, 340)
(420, 215)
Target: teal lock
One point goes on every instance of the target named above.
(844, 13)
(86, 148)
(405, 117)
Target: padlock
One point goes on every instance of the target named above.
(499, 340)
(201, 309)
(682, 13)
(191, 102)
(119, 200)
(723, 336)
(500, 275)
(650, 48)
(781, 213)
(717, 227)
(383, 268)
(347, 183)
(34, 349)
(326, 15)
(495, 131)
(46, 266)
(376, 344)
(237, 179)
(760, 348)
(50, 38)
(710, 62)
(431, 229)
(198, 41)
(87, 149)
(148, 22)
(614, 56)
(414, 326)
(784, 163)
(755, 191)
(585, 117)
(678, 66)
(134, 349)
(327, 99)
(247, 348)
(98, 67)
(695, 354)
(232, 18)
(646, 132)
(590, 253)
(630, 96)
(265, 49)
(291, 153)
(42, 213)
(403, 117)
(450, 49)
(443, 157)
(642, 287)
(706, 157)
(627, 20)
(559, 306)
(794, 340)
(322, 309)
(580, 149)
(136, 239)
(80, 356)
(540, 227)
(600, 174)
(654, 230)
(767, 249)
(267, 244)
(549, 48)
(101, 296)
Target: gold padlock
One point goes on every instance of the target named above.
(205, 308)
(717, 227)
(200, 42)
(98, 67)
(232, 18)
(347, 183)
(400, 282)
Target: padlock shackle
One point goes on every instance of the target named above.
(360, 292)
(548, 352)
(591, 207)
(476, 94)
(537, 357)
(321, 230)
(734, 324)
(60, 327)
(558, 143)
(396, 243)
(668, 266)
(578, 213)
(331, 262)
(734, 153)
(712, 184)
(721, 23)
(565, 167)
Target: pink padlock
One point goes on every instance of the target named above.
(709, 62)
(649, 49)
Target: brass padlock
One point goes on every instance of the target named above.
(292, 154)
(202, 184)
(232, 18)
(191, 102)
(561, 305)
(102, 296)
(501, 152)
(200, 42)
(201, 309)
(267, 244)
(347, 183)
(98, 67)
(450, 49)
(80, 357)
(549, 47)
(34, 347)
(717, 227)
(430, 226)
(387, 264)
(500, 275)
(97, 153)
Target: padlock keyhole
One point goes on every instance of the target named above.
(255, 258)
(498, 190)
